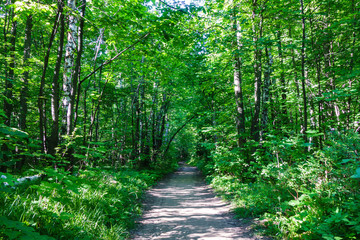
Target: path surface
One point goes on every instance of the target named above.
(184, 207)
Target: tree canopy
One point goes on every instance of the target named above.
(260, 95)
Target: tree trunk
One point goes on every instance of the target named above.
(68, 87)
(255, 133)
(266, 89)
(10, 79)
(296, 81)
(55, 91)
(42, 98)
(76, 83)
(25, 75)
(25, 84)
(240, 114)
(284, 116)
(303, 77)
(351, 66)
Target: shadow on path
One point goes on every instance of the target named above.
(184, 207)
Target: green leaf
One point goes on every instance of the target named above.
(357, 174)
(79, 156)
(14, 132)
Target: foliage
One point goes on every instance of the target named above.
(99, 203)
(312, 198)
(263, 96)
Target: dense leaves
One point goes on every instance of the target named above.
(262, 95)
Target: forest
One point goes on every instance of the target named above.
(102, 99)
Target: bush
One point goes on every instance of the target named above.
(301, 194)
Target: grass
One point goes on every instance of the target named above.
(97, 204)
(313, 215)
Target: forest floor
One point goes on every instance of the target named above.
(182, 206)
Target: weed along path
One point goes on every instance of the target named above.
(184, 207)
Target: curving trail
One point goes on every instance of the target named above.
(184, 207)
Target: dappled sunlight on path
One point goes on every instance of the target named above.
(184, 207)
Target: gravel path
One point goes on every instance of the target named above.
(184, 207)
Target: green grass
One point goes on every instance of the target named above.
(97, 204)
(312, 215)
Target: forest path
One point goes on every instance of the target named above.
(183, 207)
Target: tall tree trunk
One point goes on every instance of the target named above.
(257, 33)
(55, 91)
(296, 81)
(68, 88)
(25, 75)
(42, 98)
(319, 93)
(70, 77)
(351, 66)
(25, 83)
(303, 77)
(266, 91)
(142, 115)
(10, 78)
(284, 116)
(240, 114)
(76, 83)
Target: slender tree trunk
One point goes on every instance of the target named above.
(10, 78)
(55, 91)
(352, 56)
(76, 83)
(284, 117)
(25, 83)
(42, 98)
(240, 114)
(255, 131)
(303, 77)
(136, 125)
(142, 115)
(68, 88)
(296, 81)
(319, 93)
(266, 90)
(25, 75)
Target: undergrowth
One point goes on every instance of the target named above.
(96, 204)
(298, 194)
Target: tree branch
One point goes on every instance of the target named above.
(177, 131)
(112, 59)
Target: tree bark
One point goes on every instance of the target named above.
(55, 91)
(285, 119)
(76, 82)
(257, 33)
(266, 90)
(10, 78)
(240, 114)
(42, 98)
(303, 77)
(68, 87)
(25, 75)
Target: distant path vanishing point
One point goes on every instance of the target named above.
(184, 207)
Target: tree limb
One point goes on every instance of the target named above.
(112, 59)
(177, 131)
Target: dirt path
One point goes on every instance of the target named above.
(184, 207)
